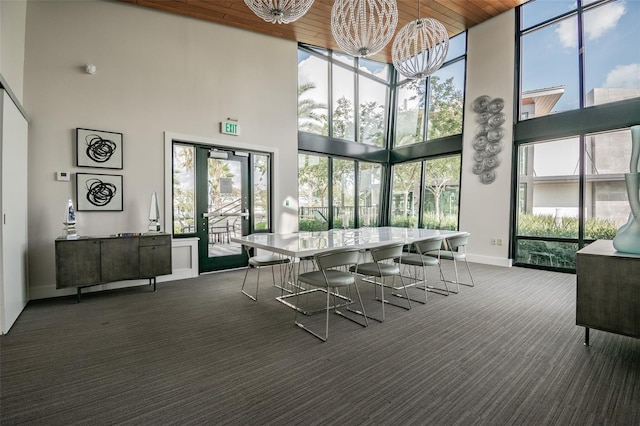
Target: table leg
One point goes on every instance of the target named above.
(586, 336)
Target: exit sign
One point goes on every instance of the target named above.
(230, 128)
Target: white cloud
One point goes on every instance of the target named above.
(568, 32)
(596, 24)
(605, 18)
(624, 76)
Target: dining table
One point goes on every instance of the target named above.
(306, 244)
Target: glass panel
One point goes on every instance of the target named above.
(343, 101)
(344, 58)
(313, 192)
(184, 177)
(313, 94)
(612, 56)
(378, 69)
(551, 182)
(406, 194)
(537, 11)
(373, 96)
(606, 200)
(410, 114)
(446, 99)
(550, 69)
(457, 46)
(261, 214)
(344, 192)
(546, 253)
(224, 191)
(442, 189)
(369, 193)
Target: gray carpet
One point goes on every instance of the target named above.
(197, 351)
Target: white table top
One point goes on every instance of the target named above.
(304, 244)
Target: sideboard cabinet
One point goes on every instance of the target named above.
(608, 290)
(88, 261)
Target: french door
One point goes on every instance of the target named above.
(222, 207)
(219, 194)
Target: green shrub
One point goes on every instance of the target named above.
(541, 225)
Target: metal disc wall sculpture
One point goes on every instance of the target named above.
(487, 141)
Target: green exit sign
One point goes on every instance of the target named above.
(230, 128)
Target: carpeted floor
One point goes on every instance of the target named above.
(506, 352)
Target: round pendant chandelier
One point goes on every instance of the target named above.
(363, 27)
(420, 48)
(279, 11)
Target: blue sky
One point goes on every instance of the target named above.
(611, 48)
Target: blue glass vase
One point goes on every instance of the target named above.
(627, 239)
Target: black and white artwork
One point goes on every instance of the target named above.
(98, 149)
(98, 192)
(487, 141)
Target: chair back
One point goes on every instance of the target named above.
(455, 242)
(430, 244)
(337, 258)
(390, 251)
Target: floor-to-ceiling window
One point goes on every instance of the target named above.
(425, 193)
(431, 108)
(342, 97)
(337, 192)
(344, 113)
(313, 192)
(579, 85)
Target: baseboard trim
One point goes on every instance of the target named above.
(490, 260)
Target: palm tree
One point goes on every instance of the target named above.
(312, 115)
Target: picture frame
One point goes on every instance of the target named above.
(99, 192)
(98, 149)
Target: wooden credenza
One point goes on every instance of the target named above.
(88, 261)
(608, 292)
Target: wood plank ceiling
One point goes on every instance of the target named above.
(314, 28)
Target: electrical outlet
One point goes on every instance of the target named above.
(498, 241)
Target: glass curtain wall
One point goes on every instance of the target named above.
(577, 53)
(357, 91)
(313, 192)
(330, 196)
(571, 189)
(433, 105)
(426, 189)
(369, 181)
(344, 184)
(571, 192)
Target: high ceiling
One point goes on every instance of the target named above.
(314, 28)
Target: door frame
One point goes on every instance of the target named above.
(171, 137)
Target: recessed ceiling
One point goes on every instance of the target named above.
(314, 28)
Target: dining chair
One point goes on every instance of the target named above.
(426, 253)
(262, 261)
(455, 250)
(332, 275)
(382, 267)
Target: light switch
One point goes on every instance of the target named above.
(63, 176)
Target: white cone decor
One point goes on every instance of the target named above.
(279, 11)
(154, 214)
(420, 48)
(363, 27)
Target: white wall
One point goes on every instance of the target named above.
(484, 209)
(156, 73)
(12, 32)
